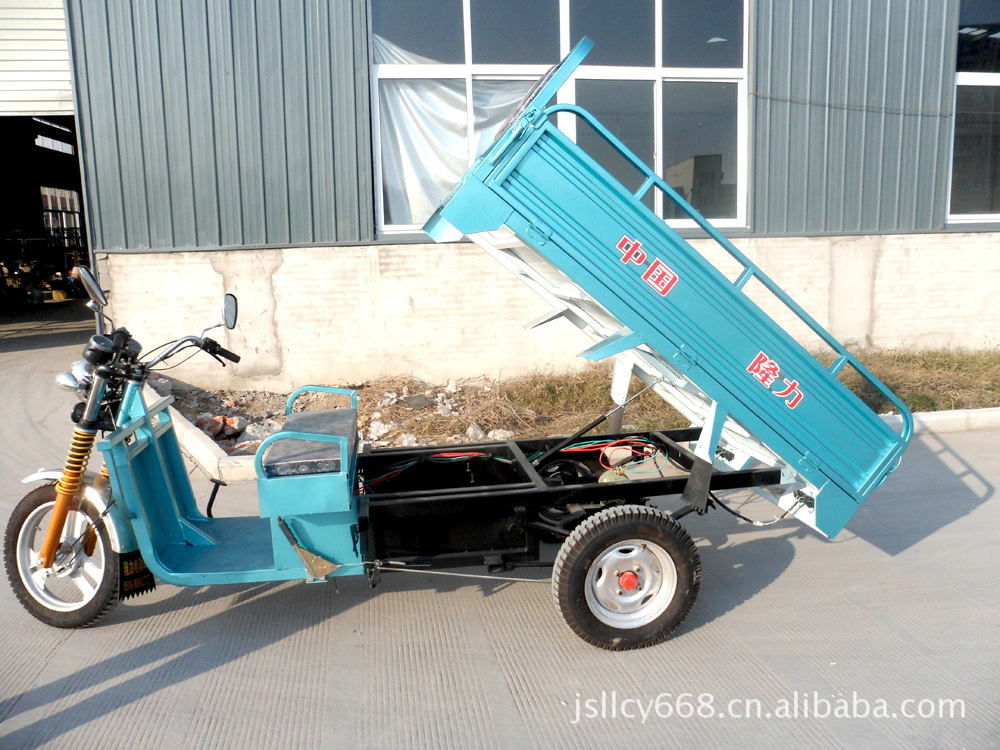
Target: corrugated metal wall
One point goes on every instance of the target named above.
(34, 59)
(220, 123)
(852, 106)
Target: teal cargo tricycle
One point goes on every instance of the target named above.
(765, 414)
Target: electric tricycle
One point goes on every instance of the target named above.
(765, 415)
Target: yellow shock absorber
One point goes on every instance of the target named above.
(102, 479)
(100, 482)
(67, 490)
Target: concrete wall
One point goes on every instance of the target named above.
(341, 315)
(920, 291)
(345, 314)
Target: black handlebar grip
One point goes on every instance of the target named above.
(226, 354)
(212, 347)
(119, 337)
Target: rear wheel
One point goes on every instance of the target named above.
(82, 585)
(626, 577)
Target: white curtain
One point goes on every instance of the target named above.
(424, 132)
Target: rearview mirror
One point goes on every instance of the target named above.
(230, 311)
(91, 285)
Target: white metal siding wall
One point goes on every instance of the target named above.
(34, 59)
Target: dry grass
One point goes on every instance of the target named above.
(530, 406)
(935, 380)
(547, 403)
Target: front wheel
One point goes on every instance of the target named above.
(626, 577)
(82, 584)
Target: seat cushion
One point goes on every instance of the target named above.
(293, 457)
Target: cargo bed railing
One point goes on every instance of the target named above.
(750, 269)
(726, 337)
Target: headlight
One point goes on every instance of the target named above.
(78, 379)
(66, 381)
(83, 371)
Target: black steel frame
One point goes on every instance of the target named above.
(418, 520)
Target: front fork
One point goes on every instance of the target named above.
(67, 493)
(69, 484)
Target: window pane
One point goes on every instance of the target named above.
(622, 31)
(975, 174)
(425, 151)
(430, 29)
(979, 36)
(492, 103)
(626, 109)
(700, 147)
(703, 34)
(517, 34)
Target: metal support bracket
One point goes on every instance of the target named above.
(319, 568)
(700, 478)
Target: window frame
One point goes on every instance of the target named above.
(967, 78)
(658, 74)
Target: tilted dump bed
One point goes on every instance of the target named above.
(552, 215)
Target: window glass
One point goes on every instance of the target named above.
(429, 133)
(975, 176)
(626, 109)
(979, 36)
(521, 35)
(425, 149)
(623, 31)
(492, 102)
(703, 34)
(430, 29)
(700, 146)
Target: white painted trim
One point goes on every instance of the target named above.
(973, 218)
(977, 79)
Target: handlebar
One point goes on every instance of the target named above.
(205, 344)
(213, 348)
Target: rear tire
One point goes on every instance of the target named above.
(79, 589)
(626, 577)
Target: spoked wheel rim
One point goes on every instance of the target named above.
(76, 577)
(630, 583)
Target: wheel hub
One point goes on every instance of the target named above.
(66, 562)
(630, 583)
(74, 578)
(628, 580)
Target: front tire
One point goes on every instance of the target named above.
(626, 577)
(79, 588)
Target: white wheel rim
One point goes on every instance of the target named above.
(74, 580)
(651, 573)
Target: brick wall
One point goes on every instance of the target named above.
(345, 314)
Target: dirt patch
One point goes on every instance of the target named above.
(405, 411)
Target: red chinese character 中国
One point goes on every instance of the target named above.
(792, 389)
(765, 369)
(631, 250)
(660, 277)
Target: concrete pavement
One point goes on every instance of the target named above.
(888, 637)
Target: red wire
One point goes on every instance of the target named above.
(625, 443)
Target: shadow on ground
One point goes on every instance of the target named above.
(45, 326)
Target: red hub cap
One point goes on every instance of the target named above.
(628, 580)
